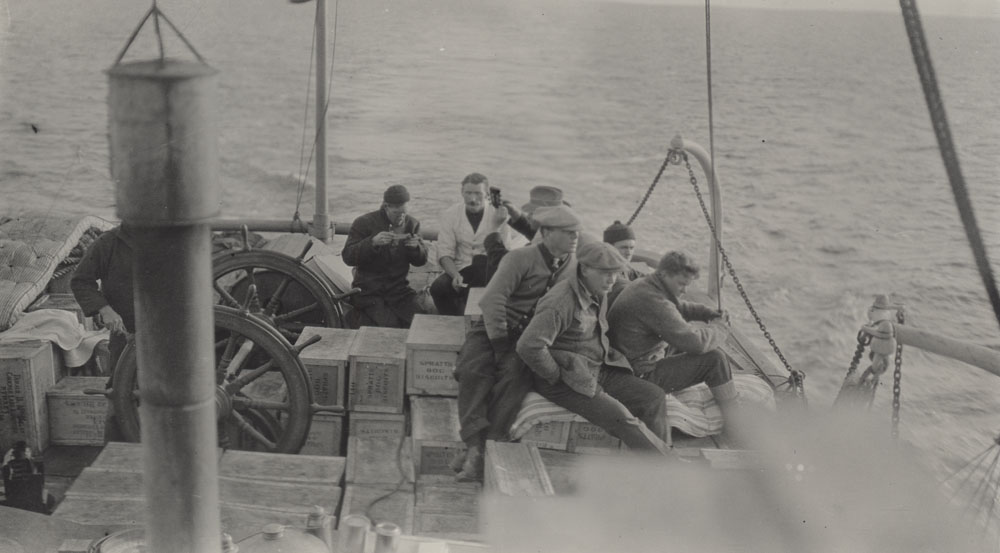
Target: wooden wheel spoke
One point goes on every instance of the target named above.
(272, 302)
(227, 298)
(252, 432)
(244, 402)
(248, 377)
(295, 313)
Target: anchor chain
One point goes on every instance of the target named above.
(672, 157)
(795, 377)
(897, 376)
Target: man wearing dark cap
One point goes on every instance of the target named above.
(622, 237)
(382, 245)
(566, 346)
(492, 379)
(650, 324)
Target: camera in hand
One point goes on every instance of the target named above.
(494, 196)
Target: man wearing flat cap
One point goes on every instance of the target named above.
(651, 325)
(382, 245)
(492, 378)
(567, 348)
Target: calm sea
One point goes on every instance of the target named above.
(833, 187)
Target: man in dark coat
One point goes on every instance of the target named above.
(382, 245)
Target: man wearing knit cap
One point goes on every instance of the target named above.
(650, 324)
(567, 348)
(492, 378)
(622, 237)
(382, 245)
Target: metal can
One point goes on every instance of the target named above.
(387, 537)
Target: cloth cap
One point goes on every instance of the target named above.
(600, 255)
(396, 194)
(618, 232)
(675, 263)
(560, 217)
(543, 196)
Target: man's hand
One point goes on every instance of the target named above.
(721, 316)
(458, 282)
(500, 216)
(111, 320)
(412, 241)
(383, 238)
(512, 211)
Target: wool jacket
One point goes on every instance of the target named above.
(524, 275)
(382, 270)
(648, 322)
(457, 240)
(108, 260)
(567, 338)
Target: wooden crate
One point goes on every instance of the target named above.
(548, 435)
(431, 350)
(326, 435)
(435, 432)
(364, 424)
(377, 370)
(27, 371)
(448, 510)
(383, 460)
(65, 302)
(586, 437)
(473, 313)
(515, 469)
(327, 362)
(76, 418)
(380, 503)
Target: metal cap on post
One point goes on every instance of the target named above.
(163, 161)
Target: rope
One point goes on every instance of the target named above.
(305, 123)
(155, 11)
(935, 105)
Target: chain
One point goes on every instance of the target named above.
(897, 377)
(863, 340)
(672, 157)
(795, 378)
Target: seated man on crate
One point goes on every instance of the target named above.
(492, 380)
(650, 324)
(622, 237)
(382, 245)
(574, 366)
(461, 253)
(102, 286)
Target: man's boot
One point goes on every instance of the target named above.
(735, 431)
(472, 467)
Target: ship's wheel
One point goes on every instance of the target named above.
(262, 392)
(291, 296)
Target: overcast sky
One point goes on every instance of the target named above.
(977, 8)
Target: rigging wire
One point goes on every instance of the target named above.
(305, 124)
(939, 120)
(326, 104)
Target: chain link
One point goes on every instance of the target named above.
(796, 377)
(863, 340)
(672, 157)
(897, 377)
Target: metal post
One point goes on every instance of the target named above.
(164, 162)
(705, 160)
(321, 218)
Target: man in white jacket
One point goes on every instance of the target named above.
(461, 254)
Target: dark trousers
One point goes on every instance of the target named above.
(449, 301)
(626, 406)
(376, 311)
(682, 371)
(112, 430)
(491, 388)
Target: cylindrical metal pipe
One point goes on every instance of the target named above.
(715, 209)
(296, 226)
(163, 161)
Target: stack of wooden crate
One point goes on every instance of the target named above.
(327, 362)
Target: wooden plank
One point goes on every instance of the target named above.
(76, 418)
(327, 362)
(380, 504)
(586, 437)
(432, 346)
(448, 510)
(27, 371)
(294, 498)
(435, 432)
(379, 460)
(515, 469)
(561, 467)
(326, 435)
(377, 370)
(333, 269)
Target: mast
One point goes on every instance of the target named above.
(321, 218)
